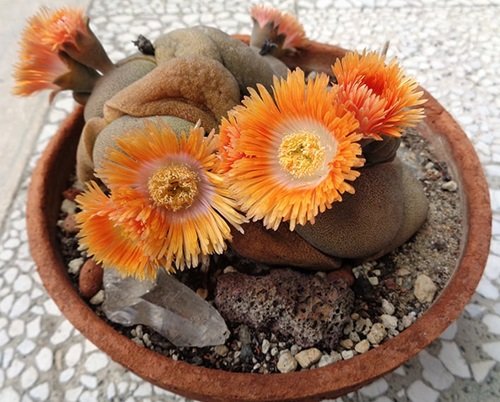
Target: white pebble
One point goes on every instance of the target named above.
(26, 347)
(308, 357)
(286, 363)
(418, 392)
(363, 346)
(453, 360)
(450, 186)
(98, 298)
(40, 392)
(6, 304)
(68, 206)
(434, 371)
(62, 333)
(424, 289)
(66, 375)
(16, 328)
(480, 370)
(326, 360)
(88, 381)
(347, 354)
(9, 394)
(29, 377)
(145, 389)
(388, 307)
(75, 265)
(96, 361)
(16, 367)
(22, 284)
(347, 343)
(389, 321)
(33, 328)
(266, 345)
(376, 334)
(71, 395)
(493, 349)
(493, 323)
(450, 332)
(375, 389)
(44, 359)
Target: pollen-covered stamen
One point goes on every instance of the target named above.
(301, 154)
(174, 186)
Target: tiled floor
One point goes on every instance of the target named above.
(451, 47)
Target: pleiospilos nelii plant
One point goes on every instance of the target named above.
(201, 134)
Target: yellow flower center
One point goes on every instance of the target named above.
(301, 154)
(174, 186)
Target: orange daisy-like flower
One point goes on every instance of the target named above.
(45, 62)
(60, 26)
(168, 207)
(290, 157)
(38, 69)
(381, 97)
(286, 25)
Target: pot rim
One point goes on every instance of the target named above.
(218, 385)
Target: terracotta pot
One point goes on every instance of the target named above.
(51, 178)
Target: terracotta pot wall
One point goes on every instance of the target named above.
(51, 178)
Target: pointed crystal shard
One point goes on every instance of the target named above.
(167, 306)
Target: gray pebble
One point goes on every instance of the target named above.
(294, 350)
(353, 336)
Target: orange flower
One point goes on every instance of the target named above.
(60, 26)
(381, 97)
(45, 60)
(290, 157)
(168, 206)
(288, 31)
(39, 69)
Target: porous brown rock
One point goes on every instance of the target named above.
(280, 247)
(310, 309)
(90, 280)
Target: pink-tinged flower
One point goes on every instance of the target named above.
(289, 157)
(382, 98)
(276, 27)
(168, 205)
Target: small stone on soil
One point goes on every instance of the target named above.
(362, 347)
(308, 357)
(424, 289)
(286, 363)
(377, 334)
(388, 307)
(450, 186)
